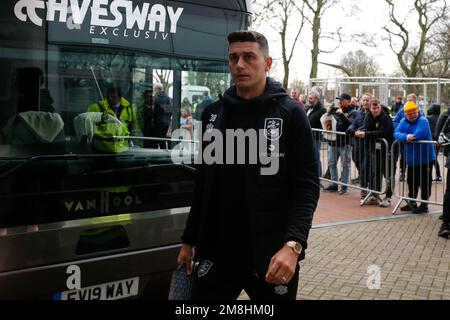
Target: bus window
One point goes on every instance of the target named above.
(77, 166)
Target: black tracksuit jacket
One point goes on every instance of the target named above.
(314, 114)
(380, 127)
(279, 207)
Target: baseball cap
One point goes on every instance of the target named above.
(344, 96)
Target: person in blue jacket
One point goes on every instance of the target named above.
(400, 115)
(419, 156)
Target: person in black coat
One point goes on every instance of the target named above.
(202, 105)
(397, 105)
(247, 227)
(433, 116)
(359, 154)
(444, 126)
(314, 111)
(163, 110)
(378, 125)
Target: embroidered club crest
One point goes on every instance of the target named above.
(204, 267)
(273, 128)
(281, 290)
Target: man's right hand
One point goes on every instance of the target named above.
(185, 257)
(360, 134)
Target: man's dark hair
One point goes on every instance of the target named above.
(249, 36)
(115, 90)
(375, 102)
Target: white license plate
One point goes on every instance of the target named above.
(105, 291)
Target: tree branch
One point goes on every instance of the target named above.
(336, 66)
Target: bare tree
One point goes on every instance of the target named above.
(299, 84)
(262, 11)
(357, 64)
(279, 14)
(411, 57)
(317, 9)
(163, 76)
(215, 81)
(436, 61)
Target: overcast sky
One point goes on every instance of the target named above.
(369, 16)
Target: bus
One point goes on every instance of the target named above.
(78, 221)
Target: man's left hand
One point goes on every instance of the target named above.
(282, 266)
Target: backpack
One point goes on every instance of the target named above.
(444, 135)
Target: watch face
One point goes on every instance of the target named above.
(296, 246)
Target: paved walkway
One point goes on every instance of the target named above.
(414, 262)
(335, 208)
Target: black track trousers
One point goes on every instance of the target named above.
(219, 280)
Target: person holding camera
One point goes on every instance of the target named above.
(341, 147)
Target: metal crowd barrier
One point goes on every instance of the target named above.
(363, 163)
(371, 166)
(417, 184)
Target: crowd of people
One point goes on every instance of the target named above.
(364, 131)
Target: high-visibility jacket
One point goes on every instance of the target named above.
(127, 115)
(105, 132)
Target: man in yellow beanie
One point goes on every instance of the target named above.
(411, 111)
(419, 156)
(398, 117)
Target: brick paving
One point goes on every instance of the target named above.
(414, 262)
(333, 207)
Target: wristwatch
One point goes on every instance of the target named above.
(296, 246)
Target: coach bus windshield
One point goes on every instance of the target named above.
(76, 75)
